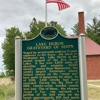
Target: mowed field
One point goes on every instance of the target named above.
(94, 90)
(7, 89)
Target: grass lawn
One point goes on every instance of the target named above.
(94, 83)
(7, 90)
(93, 93)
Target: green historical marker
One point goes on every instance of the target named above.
(50, 67)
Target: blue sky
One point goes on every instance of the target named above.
(19, 13)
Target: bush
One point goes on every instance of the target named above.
(2, 75)
(10, 73)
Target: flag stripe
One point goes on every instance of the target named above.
(61, 4)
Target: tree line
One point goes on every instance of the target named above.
(8, 45)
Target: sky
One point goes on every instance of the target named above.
(19, 13)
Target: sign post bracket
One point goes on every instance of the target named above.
(82, 64)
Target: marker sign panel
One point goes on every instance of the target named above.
(50, 69)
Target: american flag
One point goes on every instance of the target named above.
(61, 4)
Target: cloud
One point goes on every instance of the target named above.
(19, 13)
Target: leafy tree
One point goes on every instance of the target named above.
(61, 30)
(36, 27)
(8, 47)
(58, 27)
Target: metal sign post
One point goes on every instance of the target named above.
(18, 69)
(82, 64)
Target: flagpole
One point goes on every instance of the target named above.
(45, 13)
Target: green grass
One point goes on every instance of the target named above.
(94, 83)
(93, 93)
(7, 91)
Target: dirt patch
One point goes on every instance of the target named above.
(5, 81)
